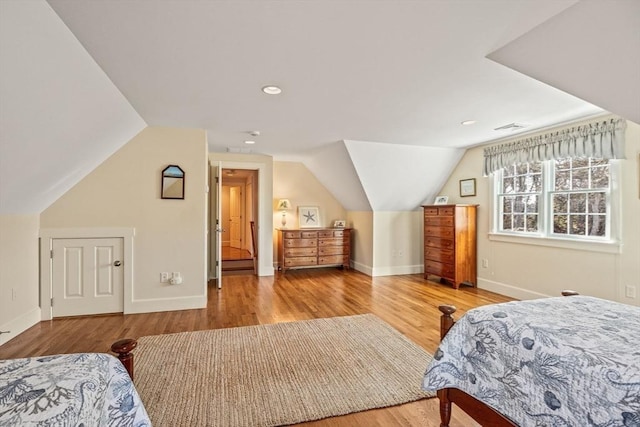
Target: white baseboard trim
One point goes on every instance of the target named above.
(166, 304)
(397, 270)
(509, 290)
(365, 269)
(19, 324)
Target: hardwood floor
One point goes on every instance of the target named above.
(408, 303)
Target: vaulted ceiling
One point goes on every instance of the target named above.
(79, 79)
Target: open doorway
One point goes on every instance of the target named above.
(239, 210)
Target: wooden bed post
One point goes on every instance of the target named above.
(446, 322)
(123, 348)
(568, 293)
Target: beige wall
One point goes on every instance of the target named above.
(529, 271)
(293, 181)
(124, 191)
(362, 240)
(397, 243)
(19, 308)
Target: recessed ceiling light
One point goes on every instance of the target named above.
(468, 122)
(249, 142)
(272, 90)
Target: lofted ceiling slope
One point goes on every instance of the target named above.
(398, 73)
(60, 115)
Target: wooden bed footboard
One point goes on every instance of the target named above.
(123, 349)
(476, 409)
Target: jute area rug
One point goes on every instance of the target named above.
(277, 374)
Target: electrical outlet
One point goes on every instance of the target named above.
(485, 263)
(400, 253)
(164, 277)
(630, 291)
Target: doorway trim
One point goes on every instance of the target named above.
(264, 221)
(46, 246)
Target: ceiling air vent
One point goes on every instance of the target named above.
(512, 127)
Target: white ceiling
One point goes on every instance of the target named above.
(401, 72)
(78, 79)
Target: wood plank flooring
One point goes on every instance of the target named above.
(408, 303)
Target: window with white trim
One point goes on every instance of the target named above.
(563, 198)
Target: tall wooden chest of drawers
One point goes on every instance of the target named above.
(450, 243)
(318, 247)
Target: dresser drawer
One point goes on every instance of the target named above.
(333, 250)
(438, 220)
(294, 252)
(440, 255)
(330, 242)
(432, 231)
(300, 261)
(300, 243)
(332, 259)
(436, 242)
(309, 234)
(439, 269)
(292, 234)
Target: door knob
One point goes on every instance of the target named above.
(117, 264)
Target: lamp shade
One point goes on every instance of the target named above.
(284, 204)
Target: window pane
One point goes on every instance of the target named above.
(562, 180)
(532, 223)
(580, 162)
(518, 204)
(535, 167)
(535, 184)
(560, 224)
(577, 224)
(560, 204)
(522, 169)
(506, 222)
(598, 202)
(532, 204)
(600, 177)
(508, 171)
(507, 204)
(520, 184)
(580, 179)
(563, 164)
(599, 162)
(507, 185)
(578, 203)
(597, 225)
(518, 222)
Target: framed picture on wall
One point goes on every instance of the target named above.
(467, 187)
(308, 216)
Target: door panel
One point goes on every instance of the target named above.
(235, 213)
(87, 276)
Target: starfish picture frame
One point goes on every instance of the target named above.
(308, 217)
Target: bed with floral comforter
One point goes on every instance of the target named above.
(566, 361)
(85, 389)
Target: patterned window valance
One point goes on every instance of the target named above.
(603, 139)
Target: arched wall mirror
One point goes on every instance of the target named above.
(172, 183)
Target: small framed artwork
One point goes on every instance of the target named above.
(308, 216)
(467, 187)
(339, 223)
(441, 200)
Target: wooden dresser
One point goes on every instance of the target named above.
(450, 243)
(317, 247)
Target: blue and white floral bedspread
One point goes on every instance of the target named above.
(85, 389)
(566, 361)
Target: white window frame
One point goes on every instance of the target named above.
(544, 236)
